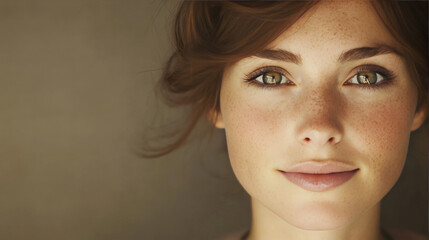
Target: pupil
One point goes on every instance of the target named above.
(272, 78)
(367, 78)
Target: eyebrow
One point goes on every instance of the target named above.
(279, 54)
(366, 52)
(349, 55)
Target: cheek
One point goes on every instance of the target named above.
(251, 128)
(381, 126)
(379, 134)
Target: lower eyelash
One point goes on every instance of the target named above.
(253, 82)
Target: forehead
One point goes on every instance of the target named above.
(335, 26)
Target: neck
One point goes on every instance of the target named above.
(267, 225)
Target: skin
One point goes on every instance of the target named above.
(320, 116)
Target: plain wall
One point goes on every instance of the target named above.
(77, 98)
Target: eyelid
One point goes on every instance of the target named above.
(256, 73)
(383, 72)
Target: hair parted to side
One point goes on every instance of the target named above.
(210, 35)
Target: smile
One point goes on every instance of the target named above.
(319, 182)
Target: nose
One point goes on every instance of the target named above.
(319, 120)
(320, 136)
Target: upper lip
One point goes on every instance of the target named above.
(320, 167)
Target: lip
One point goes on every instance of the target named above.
(316, 167)
(320, 176)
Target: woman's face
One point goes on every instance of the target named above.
(344, 98)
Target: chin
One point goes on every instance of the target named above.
(321, 218)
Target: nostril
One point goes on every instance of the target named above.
(307, 140)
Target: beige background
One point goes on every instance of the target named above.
(77, 96)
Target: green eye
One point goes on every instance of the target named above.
(271, 78)
(367, 77)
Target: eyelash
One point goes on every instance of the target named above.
(387, 75)
(251, 78)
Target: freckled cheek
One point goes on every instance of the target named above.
(250, 128)
(381, 126)
(380, 132)
(251, 121)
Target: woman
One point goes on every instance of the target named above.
(317, 99)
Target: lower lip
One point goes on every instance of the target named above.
(319, 182)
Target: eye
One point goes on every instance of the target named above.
(371, 76)
(271, 78)
(366, 77)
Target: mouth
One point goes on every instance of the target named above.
(319, 182)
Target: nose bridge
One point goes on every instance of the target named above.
(320, 102)
(319, 121)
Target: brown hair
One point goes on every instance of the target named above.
(210, 35)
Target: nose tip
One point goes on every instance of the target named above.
(321, 137)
